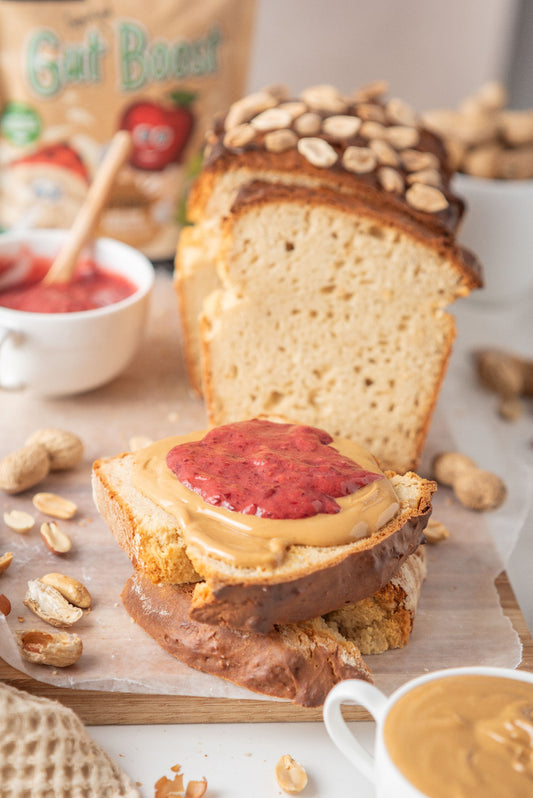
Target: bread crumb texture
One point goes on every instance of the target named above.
(330, 318)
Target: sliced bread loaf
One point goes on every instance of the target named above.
(332, 312)
(300, 662)
(362, 144)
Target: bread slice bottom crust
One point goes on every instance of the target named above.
(300, 662)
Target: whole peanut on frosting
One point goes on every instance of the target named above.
(474, 488)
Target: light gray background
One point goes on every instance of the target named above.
(433, 52)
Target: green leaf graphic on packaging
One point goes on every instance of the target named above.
(20, 124)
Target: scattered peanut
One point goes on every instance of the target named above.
(165, 787)
(239, 136)
(317, 151)
(386, 155)
(272, 119)
(371, 91)
(511, 408)
(474, 488)
(56, 506)
(244, 109)
(436, 532)
(295, 108)
(359, 160)
(5, 561)
(195, 789)
(415, 161)
(341, 127)
(70, 588)
(57, 541)
(324, 98)
(426, 198)
(59, 649)
(290, 775)
(370, 112)
(65, 449)
(49, 605)
(504, 373)
(390, 179)
(5, 605)
(19, 521)
(483, 138)
(402, 137)
(509, 376)
(24, 468)
(400, 113)
(280, 140)
(308, 124)
(372, 130)
(431, 177)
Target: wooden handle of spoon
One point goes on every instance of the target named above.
(89, 213)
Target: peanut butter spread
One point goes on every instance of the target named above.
(465, 737)
(250, 541)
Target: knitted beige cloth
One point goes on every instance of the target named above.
(46, 752)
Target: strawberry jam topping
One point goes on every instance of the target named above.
(268, 469)
(91, 287)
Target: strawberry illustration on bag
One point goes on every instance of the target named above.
(159, 132)
(61, 155)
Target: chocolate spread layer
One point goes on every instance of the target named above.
(301, 663)
(258, 607)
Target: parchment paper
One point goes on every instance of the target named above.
(459, 621)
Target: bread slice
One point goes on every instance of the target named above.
(399, 153)
(300, 662)
(332, 314)
(149, 535)
(385, 620)
(210, 201)
(309, 582)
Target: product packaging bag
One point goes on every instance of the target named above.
(72, 72)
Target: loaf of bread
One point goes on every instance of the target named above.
(314, 280)
(300, 662)
(309, 581)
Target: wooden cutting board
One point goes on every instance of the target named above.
(98, 708)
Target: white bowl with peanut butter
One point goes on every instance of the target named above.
(448, 734)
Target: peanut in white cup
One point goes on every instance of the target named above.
(380, 769)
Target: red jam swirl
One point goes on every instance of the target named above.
(90, 287)
(268, 469)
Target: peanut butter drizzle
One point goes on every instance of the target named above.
(465, 736)
(249, 541)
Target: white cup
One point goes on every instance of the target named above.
(497, 226)
(57, 354)
(380, 769)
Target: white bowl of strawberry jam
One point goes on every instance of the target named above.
(65, 339)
